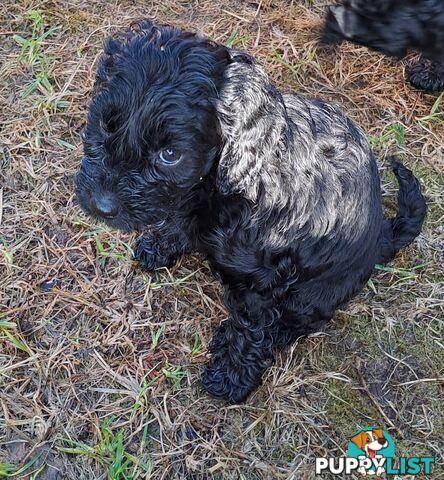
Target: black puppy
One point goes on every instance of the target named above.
(189, 141)
(394, 27)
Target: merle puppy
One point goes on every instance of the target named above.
(394, 27)
(189, 141)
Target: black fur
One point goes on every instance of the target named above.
(394, 27)
(280, 192)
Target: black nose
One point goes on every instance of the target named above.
(105, 205)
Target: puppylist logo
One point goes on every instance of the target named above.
(371, 451)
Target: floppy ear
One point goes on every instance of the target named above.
(345, 19)
(253, 122)
(359, 440)
(371, 8)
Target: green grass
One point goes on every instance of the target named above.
(5, 326)
(436, 114)
(142, 401)
(39, 82)
(6, 253)
(393, 134)
(231, 39)
(426, 348)
(299, 68)
(155, 336)
(174, 375)
(408, 273)
(155, 285)
(111, 453)
(236, 40)
(347, 409)
(196, 349)
(9, 470)
(32, 54)
(30, 48)
(75, 339)
(107, 252)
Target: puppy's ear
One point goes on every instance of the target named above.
(345, 19)
(371, 8)
(253, 122)
(360, 440)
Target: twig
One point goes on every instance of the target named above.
(377, 405)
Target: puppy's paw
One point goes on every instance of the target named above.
(222, 384)
(426, 76)
(150, 256)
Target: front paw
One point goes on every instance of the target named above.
(426, 76)
(225, 384)
(150, 256)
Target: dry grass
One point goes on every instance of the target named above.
(99, 362)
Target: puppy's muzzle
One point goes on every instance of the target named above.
(104, 205)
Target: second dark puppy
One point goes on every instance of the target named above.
(189, 141)
(394, 27)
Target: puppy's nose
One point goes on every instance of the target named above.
(105, 205)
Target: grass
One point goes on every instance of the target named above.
(32, 54)
(110, 452)
(9, 470)
(393, 134)
(17, 343)
(100, 363)
(174, 375)
(196, 349)
(155, 336)
(436, 113)
(298, 69)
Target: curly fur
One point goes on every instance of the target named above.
(394, 27)
(280, 192)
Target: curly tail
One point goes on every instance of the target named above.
(406, 226)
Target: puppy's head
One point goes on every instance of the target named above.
(364, 23)
(370, 441)
(151, 133)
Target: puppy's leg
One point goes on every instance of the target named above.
(242, 348)
(161, 248)
(426, 75)
(152, 254)
(296, 322)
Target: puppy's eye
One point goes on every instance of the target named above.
(170, 156)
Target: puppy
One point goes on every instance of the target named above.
(371, 442)
(394, 27)
(189, 141)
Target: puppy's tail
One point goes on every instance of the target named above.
(405, 227)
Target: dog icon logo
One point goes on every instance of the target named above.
(372, 446)
(371, 451)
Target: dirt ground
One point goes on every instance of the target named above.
(100, 362)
